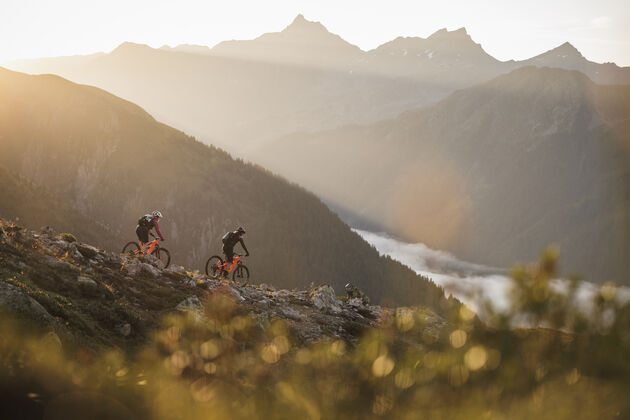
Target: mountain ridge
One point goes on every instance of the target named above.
(112, 161)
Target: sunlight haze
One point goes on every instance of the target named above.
(506, 30)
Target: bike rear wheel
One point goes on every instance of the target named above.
(130, 247)
(164, 256)
(240, 275)
(212, 265)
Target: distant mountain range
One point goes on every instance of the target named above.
(493, 173)
(102, 162)
(240, 93)
(432, 139)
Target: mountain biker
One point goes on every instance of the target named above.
(145, 224)
(230, 239)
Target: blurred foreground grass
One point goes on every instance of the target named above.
(228, 365)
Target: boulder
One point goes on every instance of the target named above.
(86, 281)
(15, 300)
(124, 329)
(353, 292)
(290, 313)
(193, 306)
(67, 237)
(324, 299)
(73, 252)
(87, 251)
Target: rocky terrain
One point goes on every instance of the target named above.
(94, 298)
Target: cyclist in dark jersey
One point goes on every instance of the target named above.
(230, 239)
(145, 224)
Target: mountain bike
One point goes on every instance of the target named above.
(162, 254)
(216, 267)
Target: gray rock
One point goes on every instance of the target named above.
(53, 262)
(134, 266)
(324, 299)
(177, 269)
(87, 251)
(124, 329)
(354, 292)
(15, 300)
(290, 313)
(86, 281)
(193, 306)
(73, 251)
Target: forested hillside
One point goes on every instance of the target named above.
(34, 206)
(113, 162)
(493, 173)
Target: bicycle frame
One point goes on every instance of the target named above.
(235, 261)
(153, 245)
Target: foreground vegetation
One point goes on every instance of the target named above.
(227, 365)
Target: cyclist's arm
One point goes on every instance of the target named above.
(157, 229)
(243, 245)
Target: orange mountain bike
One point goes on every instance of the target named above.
(216, 267)
(162, 254)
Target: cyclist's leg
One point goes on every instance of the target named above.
(229, 257)
(143, 237)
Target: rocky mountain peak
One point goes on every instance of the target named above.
(444, 33)
(301, 25)
(564, 51)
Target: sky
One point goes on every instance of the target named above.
(506, 29)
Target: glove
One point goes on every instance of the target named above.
(162, 239)
(247, 255)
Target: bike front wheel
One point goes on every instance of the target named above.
(212, 265)
(164, 256)
(130, 248)
(241, 275)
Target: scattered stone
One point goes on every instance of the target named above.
(324, 299)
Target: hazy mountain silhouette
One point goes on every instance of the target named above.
(566, 56)
(112, 162)
(302, 43)
(493, 173)
(241, 93)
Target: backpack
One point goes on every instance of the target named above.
(146, 221)
(227, 238)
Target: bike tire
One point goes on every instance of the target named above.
(212, 265)
(164, 256)
(241, 275)
(130, 247)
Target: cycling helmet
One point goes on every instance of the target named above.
(157, 213)
(240, 229)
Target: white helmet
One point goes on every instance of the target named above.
(157, 213)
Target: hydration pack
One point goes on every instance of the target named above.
(228, 237)
(146, 221)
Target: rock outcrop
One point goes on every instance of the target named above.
(104, 298)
